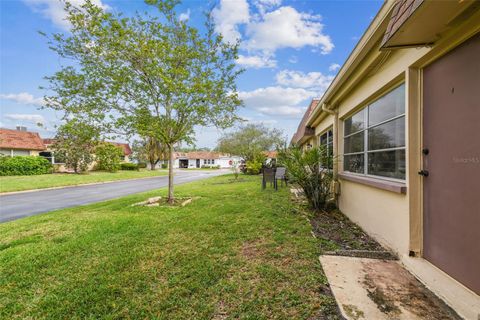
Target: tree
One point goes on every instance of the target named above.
(75, 143)
(150, 150)
(107, 156)
(250, 141)
(151, 75)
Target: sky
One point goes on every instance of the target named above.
(291, 51)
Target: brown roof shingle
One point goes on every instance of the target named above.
(22, 140)
(125, 147)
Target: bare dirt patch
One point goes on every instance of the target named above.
(341, 233)
(254, 249)
(393, 289)
(163, 202)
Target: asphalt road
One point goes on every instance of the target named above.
(19, 205)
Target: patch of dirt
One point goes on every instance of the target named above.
(390, 286)
(220, 313)
(163, 202)
(252, 250)
(335, 228)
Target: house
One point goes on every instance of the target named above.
(20, 142)
(127, 151)
(49, 154)
(402, 117)
(305, 135)
(270, 157)
(199, 159)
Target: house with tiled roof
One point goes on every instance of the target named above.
(20, 142)
(199, 159)
(49, 151)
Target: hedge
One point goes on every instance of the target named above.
(24, 166)
(128, 166)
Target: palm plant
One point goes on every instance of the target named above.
(309, 170)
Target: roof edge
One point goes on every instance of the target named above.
(363, 46)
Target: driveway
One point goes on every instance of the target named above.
(24, 204)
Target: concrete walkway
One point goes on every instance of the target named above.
(382, 290)
(24, 204)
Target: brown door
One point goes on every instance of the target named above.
(451, 124)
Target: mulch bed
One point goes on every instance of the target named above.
(339, 233)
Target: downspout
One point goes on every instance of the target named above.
(334, 113)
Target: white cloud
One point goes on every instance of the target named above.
(298, 79)
(282, 111)
(184, 15)
(286, 27)
(256, 61)
(32, 118)
(334, 67)
(23, 98)
(264, 5)
(54, 10)
(277, 100)
(274, 96)
(293, 59)
(228, 16)
(267, 122)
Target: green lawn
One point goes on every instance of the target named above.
(237, 252)
(20, 183)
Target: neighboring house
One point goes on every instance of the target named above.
(199, 159)
(20, 142)
(305, 135)
(271, 156)
(403, 119)
(49, 152)
(127, 151)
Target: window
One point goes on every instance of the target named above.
(204, 161)
(52, 157)
(326, 139)
(374, 138)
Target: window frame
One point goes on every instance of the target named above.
(366, 127)
(329, 144)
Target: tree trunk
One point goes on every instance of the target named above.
(152, 165)
(170, 175)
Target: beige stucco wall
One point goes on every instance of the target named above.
(383, 214)
(324, 125)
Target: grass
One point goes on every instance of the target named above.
(237, 252)
(21, 183)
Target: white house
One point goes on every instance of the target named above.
(199, 159)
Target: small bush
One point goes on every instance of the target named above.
(210, 167)
(254, 167)
(24, 166)
(164, 166)
(142, 165)
(108, 157)
(129, 166)
(309, 170)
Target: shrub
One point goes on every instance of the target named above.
(254, 167)
(164, 166)
(24, 165)
(305, 169)
(129, 166)
(108, 156)
(142, 165)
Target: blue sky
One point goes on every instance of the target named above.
(291, 51)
